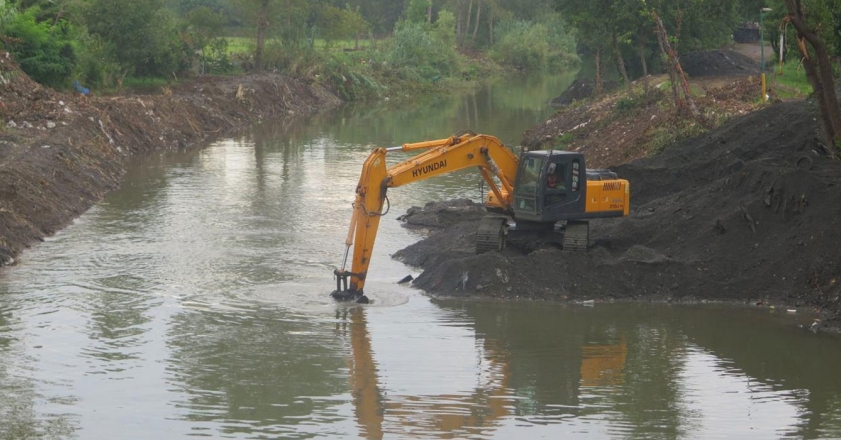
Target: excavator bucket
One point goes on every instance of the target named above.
(346, 292)
(349, 295)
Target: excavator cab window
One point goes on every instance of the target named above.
(555, 177)
(525, 189)
(556, 184)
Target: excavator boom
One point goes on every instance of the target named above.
(496, 163)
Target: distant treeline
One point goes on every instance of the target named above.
(358, 44)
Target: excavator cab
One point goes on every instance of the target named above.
(555, 185)
(550, 186)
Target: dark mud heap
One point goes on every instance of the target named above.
(748, 212)
(718, 63)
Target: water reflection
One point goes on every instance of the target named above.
(467, 413)
(781, 359)
(568, 371)
(642, 371)
(256, 373)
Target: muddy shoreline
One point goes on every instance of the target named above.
(60, 153)
(736, 215)
(746, 213)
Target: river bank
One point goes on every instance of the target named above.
(742, 213)
(747, 212)
(60, 153)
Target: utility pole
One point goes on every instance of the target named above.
(762, 53)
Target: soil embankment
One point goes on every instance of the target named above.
(60, 153)
(750, 211)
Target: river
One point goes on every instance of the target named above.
(194, 301)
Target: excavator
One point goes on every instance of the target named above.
(540, 192)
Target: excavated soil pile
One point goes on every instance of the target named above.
(61, 152)
(696, 64)
(616, 129)
(748, 212)
(718, 63)
(579, 90)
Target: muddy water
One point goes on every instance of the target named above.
(193, 302)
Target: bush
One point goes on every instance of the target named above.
(351, 80)
(42, 50)
(417, 49)
(215, 58)
(93, 67)
(140, 36)
(292, 59)
(522, 45)
(527, 45)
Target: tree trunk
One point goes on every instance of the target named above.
(491, 26)
(621, 63)
(670, 69)
(459, 8)
(60, 13)
(262, 25)
(476, 26)
(819, 72)
(644, 64)
(678, 71)
(469, 16)
(598, 91)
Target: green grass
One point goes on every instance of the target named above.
(792, 83)
(152, 85)
(131, 82)
(245, 45)
(240, 45)
(341, 45)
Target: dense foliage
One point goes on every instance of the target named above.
(42, 50)
(359, 44)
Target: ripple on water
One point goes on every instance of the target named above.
(313, 296)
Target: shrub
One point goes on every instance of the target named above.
(522, 45)
(415, 48)
(93, 67)
(42, 50)
(140, 36)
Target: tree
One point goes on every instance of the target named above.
(262, 18)
(139, 35)
(54, 10)
(42, 50)
(7, 14)
(417, 11)
(338, 24)
(813, 19)
(380, 14)
(204, 25)
(185, 6)
(595, 25)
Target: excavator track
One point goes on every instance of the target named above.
(490, 235)
(576, 236)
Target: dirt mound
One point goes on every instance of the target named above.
(618, 128)
(718, 63)
(441, 214)
(748, 212)
(695, 64)
(579, 90)
(61, 152)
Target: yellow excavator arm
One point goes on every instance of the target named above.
(496, 163)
